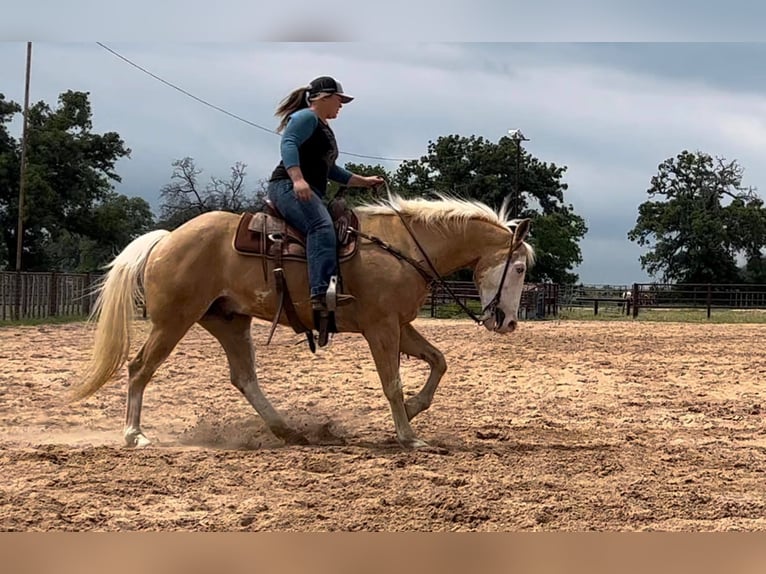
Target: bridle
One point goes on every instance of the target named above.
(492, 307)
(433, 277)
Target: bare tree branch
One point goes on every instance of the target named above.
(184, 199)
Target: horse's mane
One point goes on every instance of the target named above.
(445, 209)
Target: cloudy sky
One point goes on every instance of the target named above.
(610, 112)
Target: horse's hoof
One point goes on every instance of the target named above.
(293, 438)
(414, 443)
(137, 440)
(298, 439)
(422, 446)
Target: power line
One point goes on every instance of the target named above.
(235, 116)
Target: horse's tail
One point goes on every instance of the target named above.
(118, 293)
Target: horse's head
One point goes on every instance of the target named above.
(499, 276)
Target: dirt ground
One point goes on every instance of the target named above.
(560, 426)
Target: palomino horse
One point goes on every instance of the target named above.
(194, 274)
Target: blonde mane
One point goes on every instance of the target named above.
(445, 209)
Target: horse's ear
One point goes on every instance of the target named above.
(522, 230)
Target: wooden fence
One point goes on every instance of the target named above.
(631, 299)
(538, 300)
(32, 295)
(599, 298)
(707, 296)
(35, 295)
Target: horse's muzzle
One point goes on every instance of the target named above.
(492, 324)
(509, 327)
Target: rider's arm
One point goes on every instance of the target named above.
(298, 129)
(341, 175)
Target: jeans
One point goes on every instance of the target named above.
(313, 220)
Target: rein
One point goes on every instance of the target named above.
(394, 251)
(438, 278)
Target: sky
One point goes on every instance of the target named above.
(609, 111)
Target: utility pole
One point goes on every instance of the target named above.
(517, 137)
(22, 178)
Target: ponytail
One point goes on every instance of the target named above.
(296, 100)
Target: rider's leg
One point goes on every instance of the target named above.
(313, 220)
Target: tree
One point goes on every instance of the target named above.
(555, 239)
(358, 195)
(701, 220)
(10, 164)
(474, 167)
(112, 223)
(69, 186)
(9, 173)
(184, 197)
(748, 228)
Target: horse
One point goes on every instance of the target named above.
(401, 248)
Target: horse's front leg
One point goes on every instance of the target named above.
(383, 340)
(414, 344)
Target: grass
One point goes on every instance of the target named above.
(453, 311)
(33, 321)
(612, 313)
(668, 315)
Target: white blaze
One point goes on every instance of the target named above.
(510, 297)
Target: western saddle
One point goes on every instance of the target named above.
(266, 235)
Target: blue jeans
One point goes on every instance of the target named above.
(313, 220)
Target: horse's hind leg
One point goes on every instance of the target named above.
(154, 351)
(414, 344)
(234, 336)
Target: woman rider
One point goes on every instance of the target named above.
(298, 184)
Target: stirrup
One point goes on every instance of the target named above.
(331, 299)
(331, 296)
(324, 306)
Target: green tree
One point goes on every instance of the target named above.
(112, 223)
(185, 198)
(698, 220)
(358, 195)
(556, 237)
(474, 167)
(69, 188)
(10, 163)
(748, 229)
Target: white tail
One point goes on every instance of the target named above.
(113, 310)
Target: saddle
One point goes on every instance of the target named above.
(266, 234)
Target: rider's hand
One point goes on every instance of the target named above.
(374, 181)
(302, 190)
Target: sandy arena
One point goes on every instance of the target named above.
(561, 426)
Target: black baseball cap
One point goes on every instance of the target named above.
(328, 85)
